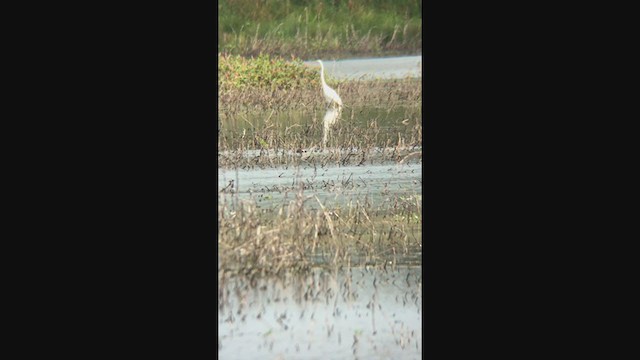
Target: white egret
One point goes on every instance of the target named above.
(334, 104)
(330, 95)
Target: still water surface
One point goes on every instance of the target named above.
(371, 68)
(360, 313)
(331, 184)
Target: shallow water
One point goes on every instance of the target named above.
(360, 313)
(332, 184)
(370, 68)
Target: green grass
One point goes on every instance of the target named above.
(314, 28)
(264, 71)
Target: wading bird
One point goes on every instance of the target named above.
(330, 95)
(334, 106)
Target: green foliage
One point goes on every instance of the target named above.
(311, 28)
(264, 71)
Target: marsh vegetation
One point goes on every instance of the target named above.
(284, 119)
(319, 248)
(267, 129)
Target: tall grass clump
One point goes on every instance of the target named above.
(303, 232)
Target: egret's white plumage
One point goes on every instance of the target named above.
(330, 95)
(334, 104)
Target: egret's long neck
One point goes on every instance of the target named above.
(322, 74)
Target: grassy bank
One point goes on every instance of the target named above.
(320, 28)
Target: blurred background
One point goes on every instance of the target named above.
(320, 28)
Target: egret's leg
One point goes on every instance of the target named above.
(325, 133)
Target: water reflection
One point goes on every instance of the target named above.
(330, 118)
(305, 124)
